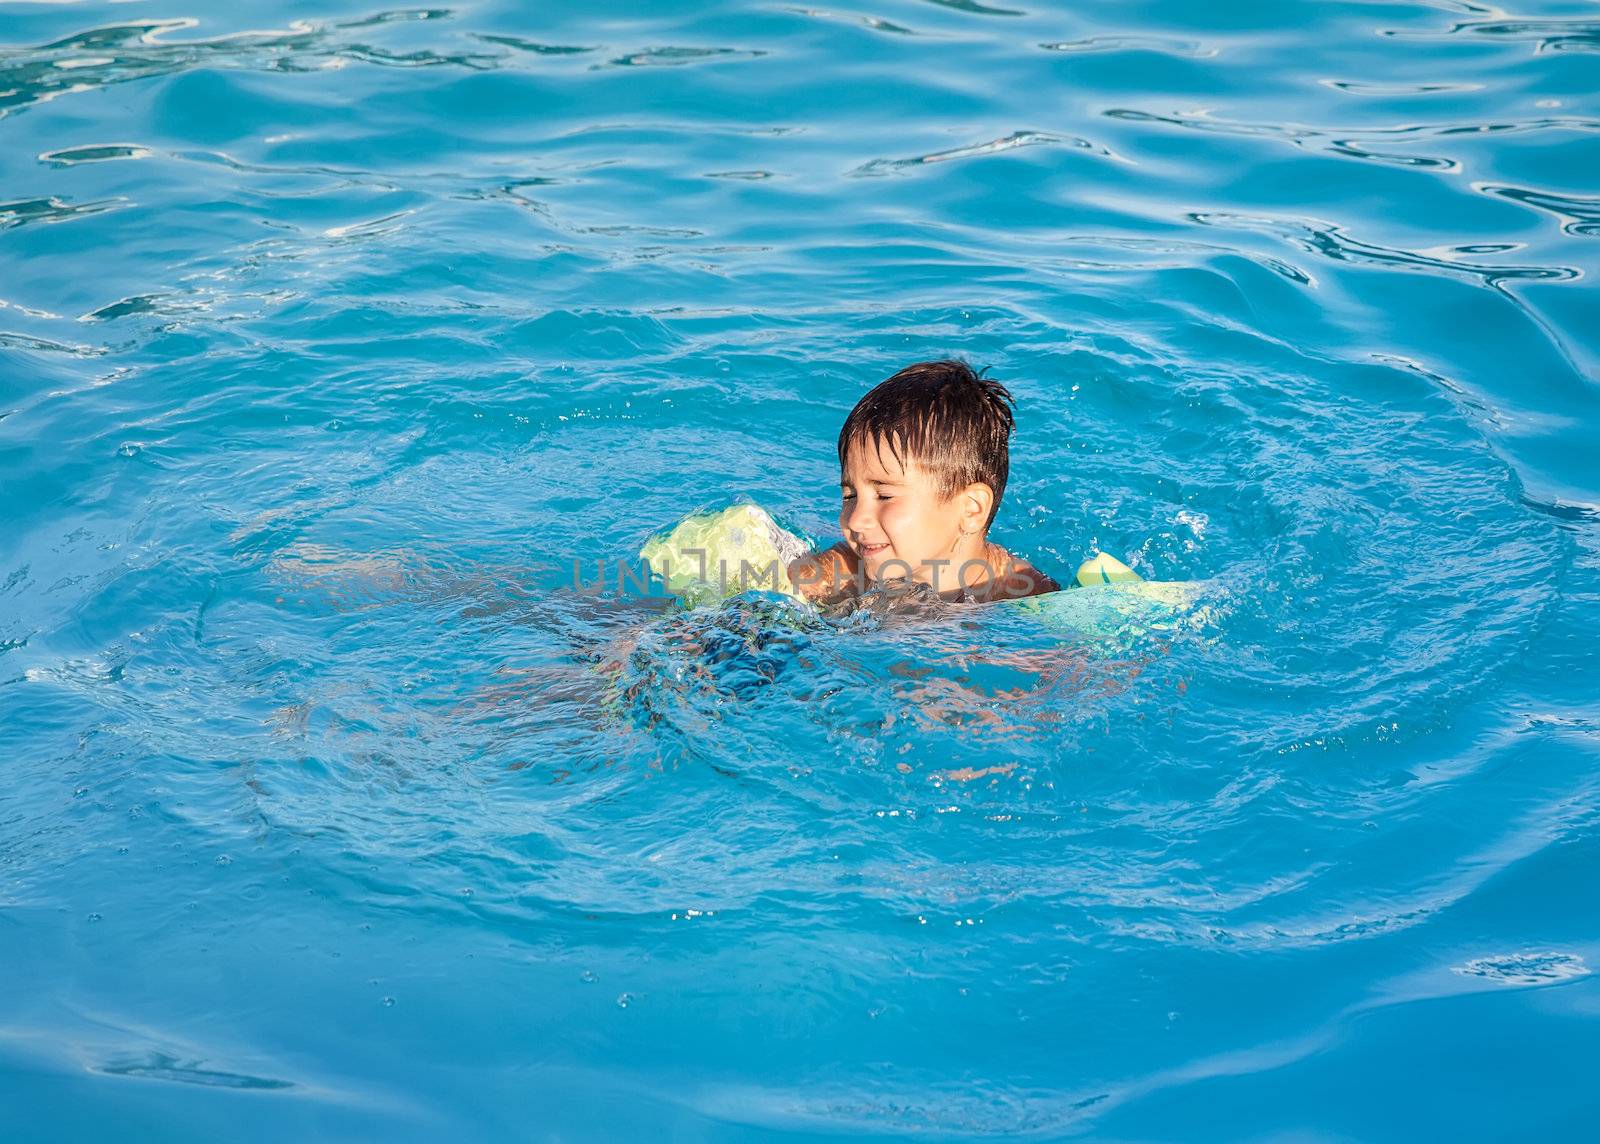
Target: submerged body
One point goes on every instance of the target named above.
(713, 556)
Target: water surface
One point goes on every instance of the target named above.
(331, 335)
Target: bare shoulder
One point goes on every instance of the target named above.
(824, 574)
(1019, 579)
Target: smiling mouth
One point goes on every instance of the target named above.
(872, 549)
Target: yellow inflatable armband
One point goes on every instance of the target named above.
(709, 556)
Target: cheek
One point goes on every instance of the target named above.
(919, 527)
(897, 520)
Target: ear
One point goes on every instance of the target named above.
(975, 502)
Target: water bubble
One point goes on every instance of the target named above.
(624, 1000)
(589, 976)
(388, 1002)
(224, 860)
(94, 917)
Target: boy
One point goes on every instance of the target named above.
(923, 461)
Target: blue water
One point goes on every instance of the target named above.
(331, 335)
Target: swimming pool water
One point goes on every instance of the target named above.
(331, 335)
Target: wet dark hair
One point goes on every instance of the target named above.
(953, 422)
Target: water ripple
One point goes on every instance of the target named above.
(158, 304)
(1567, 513)
(1355, 142)
(672, 57)
(49, 346)
(50, 210)
(873, 22)
(1192, 49)
(1579, 214)
(98, 153)
(1577, 34)
(1366, 87)
(1330, 241)
(1012, 142)
(1548, 968)
(533, 47)
(398, 16)
(974, 8)
(119, 53)
(160, 1066)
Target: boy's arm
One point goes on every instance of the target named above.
(825, 575)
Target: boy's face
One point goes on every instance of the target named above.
(894, 519)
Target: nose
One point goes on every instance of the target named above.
(861, 517)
